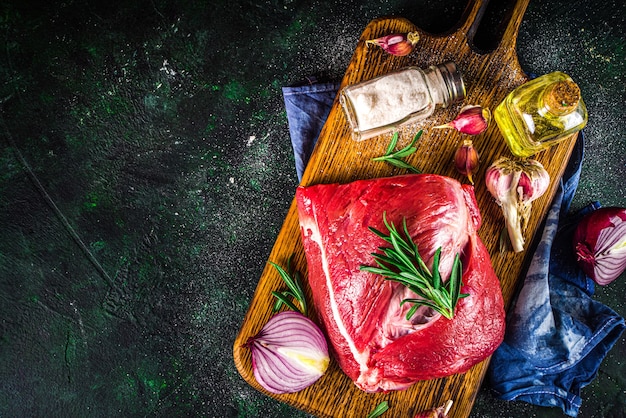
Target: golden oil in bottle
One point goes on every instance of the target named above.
(540, 113)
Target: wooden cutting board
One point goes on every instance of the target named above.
(338, 158)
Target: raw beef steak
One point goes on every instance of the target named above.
(373, 342)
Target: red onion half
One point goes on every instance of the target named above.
(600, 244)
(289, 353)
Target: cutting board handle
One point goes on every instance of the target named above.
(475, 13)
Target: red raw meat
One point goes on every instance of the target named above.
(373, 342)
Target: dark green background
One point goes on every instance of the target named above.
(146, 169)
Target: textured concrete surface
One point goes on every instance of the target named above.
(146, 170)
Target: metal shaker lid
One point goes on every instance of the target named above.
(453, 80)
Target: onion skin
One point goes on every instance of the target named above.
(600, 244)
(289, 354)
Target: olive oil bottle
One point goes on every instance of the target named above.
(540, 113)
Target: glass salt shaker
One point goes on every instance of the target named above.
(404, 96)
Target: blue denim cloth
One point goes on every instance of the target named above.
(307, 108)
(557, 335)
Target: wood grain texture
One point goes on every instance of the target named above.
(338, 158)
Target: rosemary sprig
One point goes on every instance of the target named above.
(294, 289)
(396, 158)
(380, 409)
(402, 263)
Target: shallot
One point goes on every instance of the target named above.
(289, 353)
(600, 244)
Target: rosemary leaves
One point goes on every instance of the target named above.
(402, 263)
(293, 292)
(396, 158)
(380, 409)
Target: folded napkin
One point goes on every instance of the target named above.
(557, 335)
(307, 105)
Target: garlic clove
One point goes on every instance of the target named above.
(466, 159)
(534, 180)
(471, 120)
(440, 412)
(399, 44)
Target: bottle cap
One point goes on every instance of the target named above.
(454, 82)
(563, 97)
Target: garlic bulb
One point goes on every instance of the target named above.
(515, 184)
